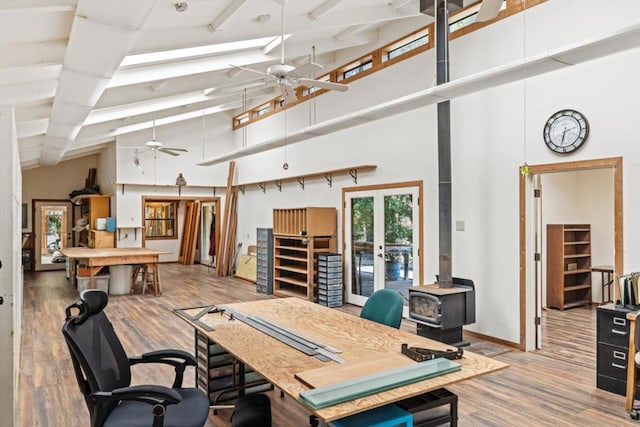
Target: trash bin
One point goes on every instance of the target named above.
(120, 283)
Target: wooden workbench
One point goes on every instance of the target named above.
(97, 259)
(360, 340)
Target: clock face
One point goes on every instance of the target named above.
(565, 131)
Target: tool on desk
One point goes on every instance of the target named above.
(306, 345)
(420, 354)
(196, 319)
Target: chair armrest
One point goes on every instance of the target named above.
(179, 359)
(151, 394)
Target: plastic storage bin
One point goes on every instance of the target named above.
(120, 283)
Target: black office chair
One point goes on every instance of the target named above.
(103, 372)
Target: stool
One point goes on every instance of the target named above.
(423, 408)
(384, 416)
(137, 270)
(150, 278)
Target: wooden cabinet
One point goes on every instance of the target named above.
(299, 236)
(568, 265)
(613, 349)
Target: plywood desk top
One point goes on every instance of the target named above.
(358, 339)
(113, 256)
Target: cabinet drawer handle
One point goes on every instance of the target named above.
(620, 355)
(619, 321)
(615, 365)
(615, 331)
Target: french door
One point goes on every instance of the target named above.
(52, 227)
(382, 229)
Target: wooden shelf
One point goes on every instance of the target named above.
(568, 265)
(301, 179)
(299, 235)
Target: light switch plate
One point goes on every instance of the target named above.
(459, 225)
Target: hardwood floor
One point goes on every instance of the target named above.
(536, 390)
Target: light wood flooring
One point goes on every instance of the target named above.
(536, 390)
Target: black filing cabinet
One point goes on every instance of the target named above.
(613, 349)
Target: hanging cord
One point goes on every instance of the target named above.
(244, 108)
(203, 135)
(285, 165)
(525, 167)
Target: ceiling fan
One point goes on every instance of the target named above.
(288, 77)
(488, 10)
(154, 146)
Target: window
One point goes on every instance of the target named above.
(461, 23)
(263, 109)
(421, 41)
(160, 219)
(357, 69)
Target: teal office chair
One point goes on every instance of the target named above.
(384, 306)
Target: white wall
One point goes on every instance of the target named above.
(11, 270)
(493, 133)
(56, 182)
(582, 197)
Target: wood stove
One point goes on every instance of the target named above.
(440, 313)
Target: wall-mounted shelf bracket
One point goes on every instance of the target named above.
(123, 189)
(214, 191)
(301, 181)
(263, 187)
(242, 189)
(279, 184)
(329, 178)
(354, 175)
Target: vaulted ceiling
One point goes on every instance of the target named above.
(76, 72)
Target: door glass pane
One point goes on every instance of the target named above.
(362, 273)
(53, 233)
(398, 237)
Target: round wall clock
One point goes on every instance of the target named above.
(565, 131)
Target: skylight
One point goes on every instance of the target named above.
(212, 49)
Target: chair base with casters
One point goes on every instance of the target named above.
(103, 373)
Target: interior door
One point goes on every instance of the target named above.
(52, 226)
(207, 233)
(381, 237)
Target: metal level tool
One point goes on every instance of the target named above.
(306, 345)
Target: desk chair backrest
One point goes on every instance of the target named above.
(99, 360)
(384, 306)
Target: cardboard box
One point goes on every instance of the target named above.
(101, 239)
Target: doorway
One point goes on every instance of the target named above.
(52, 225)
(382, 237)
(208, 233)
(532, 232)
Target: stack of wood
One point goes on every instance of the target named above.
(189, 233)
(225, 251)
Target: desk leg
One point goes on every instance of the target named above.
(631, 368)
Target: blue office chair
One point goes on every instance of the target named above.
(384, 306)
(103, 372)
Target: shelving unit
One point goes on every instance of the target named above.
(299, 236)
(568, 265)
(264, 261)
(92, 207)
(221, 376)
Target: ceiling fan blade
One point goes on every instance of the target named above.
(305, 70)
(249, 69)
(323, 85)
(288, 92)
(172, 151)
(488, 10)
